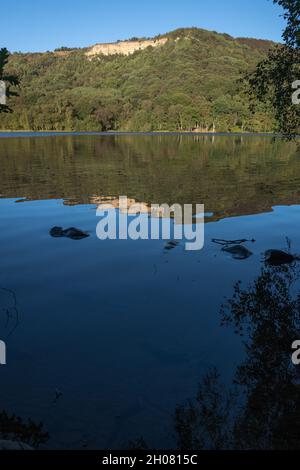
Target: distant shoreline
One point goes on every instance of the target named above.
(121, 133)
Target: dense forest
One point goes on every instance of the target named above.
(192, 82)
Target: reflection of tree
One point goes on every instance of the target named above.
(14, 428)
(206, 423)
(11, 312)
(262, 409)
(77, 167)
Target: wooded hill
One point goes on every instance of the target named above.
(189, 82)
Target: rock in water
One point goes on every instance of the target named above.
(238, 251)
(72, 232)
(75, 233)
(56, 232)
(278, 257)
(171, 244)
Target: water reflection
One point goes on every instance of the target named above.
(10, 315)
(232, 176)
(19, 434)
(115, 333)
(262, 408)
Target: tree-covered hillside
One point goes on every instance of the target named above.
(191, 82)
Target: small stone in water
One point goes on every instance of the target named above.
(278, 257)
(72, 232)
(171, 244)
(238, 251)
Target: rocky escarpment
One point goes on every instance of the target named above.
(124, 47)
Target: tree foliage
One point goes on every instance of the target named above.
(191, 82)
(272, 81)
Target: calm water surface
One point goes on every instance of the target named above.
(127, 329)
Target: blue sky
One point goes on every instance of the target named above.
(39, 25)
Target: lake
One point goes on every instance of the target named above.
(106, 338)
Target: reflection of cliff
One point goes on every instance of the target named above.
(128, 206)
(230, 175)
(131, 207)
(124, 47)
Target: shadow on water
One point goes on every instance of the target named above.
(261, 408)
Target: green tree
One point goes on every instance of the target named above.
(272, 81)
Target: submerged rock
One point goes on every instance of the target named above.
(71, 232)
(278, 257)
(238, 251)
(56, 232)
(171, 244)
(75, 234)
